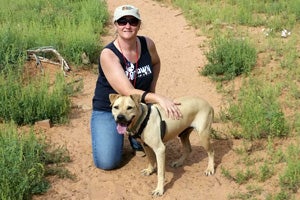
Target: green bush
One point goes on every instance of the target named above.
(257, 112)
(268, 13)
(34, 101)
(72, 27)
(290, 179)
(21, 166)
(25, 163)
(228, 58)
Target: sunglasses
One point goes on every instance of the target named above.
(132, 21)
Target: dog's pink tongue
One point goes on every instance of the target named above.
(121, 128)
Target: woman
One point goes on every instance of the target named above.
(128, 65)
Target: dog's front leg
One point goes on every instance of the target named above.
(160, 158)
(151, 158)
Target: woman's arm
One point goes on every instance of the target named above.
(115, 75)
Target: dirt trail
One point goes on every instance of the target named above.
(178, 47)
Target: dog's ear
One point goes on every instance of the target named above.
(113, 97)
(136, 98)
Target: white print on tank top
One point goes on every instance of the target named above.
(142, 71)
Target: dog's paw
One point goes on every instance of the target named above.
(209, 172)
(147, 172)
(157, 192)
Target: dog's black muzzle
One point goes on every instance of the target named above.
(121, 119)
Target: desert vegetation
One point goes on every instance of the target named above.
(72, 28)
(254, 43)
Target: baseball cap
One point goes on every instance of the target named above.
(125, 10)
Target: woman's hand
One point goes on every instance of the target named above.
(170, 107)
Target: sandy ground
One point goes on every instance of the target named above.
(181, 57)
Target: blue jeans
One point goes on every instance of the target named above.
(107, 143)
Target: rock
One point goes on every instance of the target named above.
(45, 124)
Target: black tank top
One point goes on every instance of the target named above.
(143, 79)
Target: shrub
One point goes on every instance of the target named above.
(290, 179)
(228, 58)
(34, 101)
(257, 112)
(25, 162)
(21, 166)
(72, 27)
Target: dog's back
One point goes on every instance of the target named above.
(196, 113)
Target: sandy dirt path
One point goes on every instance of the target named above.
(178, 47)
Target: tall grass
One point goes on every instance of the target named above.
(26, 103)
(266, 103)
(258, 112)
(273, 14)
(229, 57)
(22, 173)
(290, 179)
(72, 27)
(23, 163)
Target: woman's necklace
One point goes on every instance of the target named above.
(128, 64)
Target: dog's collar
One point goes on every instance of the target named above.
(145, 121)
(143, 124)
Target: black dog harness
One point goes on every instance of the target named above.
(144, 124)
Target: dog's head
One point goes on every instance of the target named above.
(125, 109)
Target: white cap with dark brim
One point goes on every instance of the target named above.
(126, 10)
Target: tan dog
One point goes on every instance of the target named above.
(153, 128)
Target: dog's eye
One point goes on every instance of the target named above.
(129, 108)
(116, 107)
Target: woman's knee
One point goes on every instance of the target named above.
(107, 144)
(106, 166)
(106, 162)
